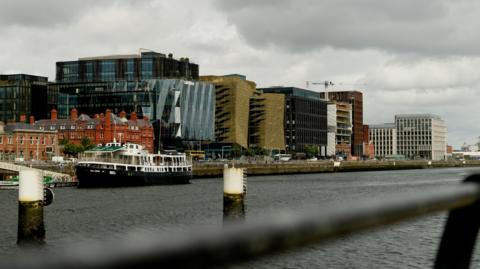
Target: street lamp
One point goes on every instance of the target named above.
(224, 147)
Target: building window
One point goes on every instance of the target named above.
(10, 140)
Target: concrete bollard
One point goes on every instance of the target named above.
(234, 191)
(31, 230)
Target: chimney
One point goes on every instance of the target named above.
(73, 114)
(23, 118)
(133, 116)
(32, 119)
(108, 117)
(53, 115)
(108, 126)
(123, 114)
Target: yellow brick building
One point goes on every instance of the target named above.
(245, 116)
(232, 105)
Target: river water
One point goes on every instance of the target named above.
(83, 215)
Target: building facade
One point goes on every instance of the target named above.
(343, 136)
(101, 129)
(144, 66)
(355, 99)
(184, 109)
(331, 128)
(305, 119)
(384, 139)
(266, 121)
(22, 94)
(232, 108)
(23, 141)
(421, 136)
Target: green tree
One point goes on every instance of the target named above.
(72, 149)
(86, 143)
(311, 150)
(63, 141)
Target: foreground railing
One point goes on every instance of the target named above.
(242, 242)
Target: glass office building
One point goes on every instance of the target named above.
(143, 66)
(186, 108)
(22, 94)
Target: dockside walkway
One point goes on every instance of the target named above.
(215, 169)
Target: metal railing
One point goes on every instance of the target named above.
(246, 241)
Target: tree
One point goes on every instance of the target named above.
(63, 141)
(311, 150)
(72, 149)
(86, 143)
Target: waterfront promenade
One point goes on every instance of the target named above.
(213, 169)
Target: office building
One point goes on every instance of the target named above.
(305, 119)
(22, 94)
(384, 139)
(183, 109)
(421, 136)
(232, 108)
(266, 121)
(135, 67)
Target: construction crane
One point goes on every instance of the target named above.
(327, 84)
(324, 83)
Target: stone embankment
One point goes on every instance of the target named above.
(298, 167)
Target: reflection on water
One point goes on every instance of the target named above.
(79, 215)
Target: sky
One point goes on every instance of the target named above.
(405, 56)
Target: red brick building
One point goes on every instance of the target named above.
(101, 129)
(39, 140)
(25, 141)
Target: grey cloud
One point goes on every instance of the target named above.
(433, 27)
(47, 13)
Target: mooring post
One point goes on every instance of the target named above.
(234, 191)
(459, 235)
(31, 229)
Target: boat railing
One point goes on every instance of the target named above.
(128, 162)
(248, 240)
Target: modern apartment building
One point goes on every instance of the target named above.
(384, 139)
(355, 99)
(343, 135)
(421, 136)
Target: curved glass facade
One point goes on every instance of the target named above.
(187, 105)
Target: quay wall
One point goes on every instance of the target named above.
(299, 167)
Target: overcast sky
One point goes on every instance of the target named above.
(406, 56)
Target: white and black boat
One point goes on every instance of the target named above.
(130, 165)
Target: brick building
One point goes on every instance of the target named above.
(101, 129)
(25, 141)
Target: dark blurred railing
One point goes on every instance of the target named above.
(246, 241)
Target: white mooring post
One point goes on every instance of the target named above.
(31, 229)
(234, 191)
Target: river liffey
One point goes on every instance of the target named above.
(84, 215)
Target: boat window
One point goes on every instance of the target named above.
(131, 168)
